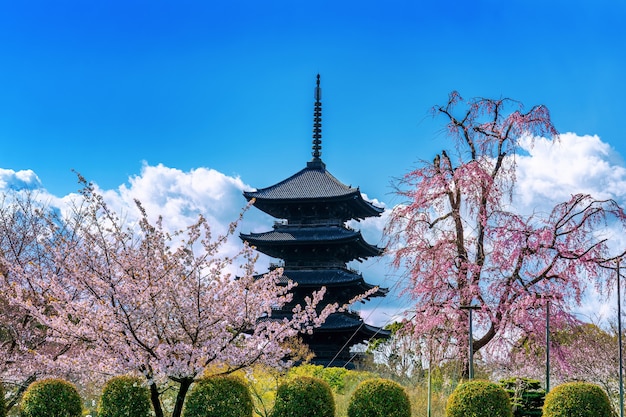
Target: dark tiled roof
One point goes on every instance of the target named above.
(273, 243)
(309, 183)
(342, 322)
(345, 321)
(304, 235)
(318, 277)
(328, 278)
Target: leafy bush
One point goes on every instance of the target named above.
(379, 398)
(219, 396)
(526, 395)
(51, 398)
(335, 377)
(577, 399)
(3, 406)
(479, 399)
(125, 396)
(304, 397)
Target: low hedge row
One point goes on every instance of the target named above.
(303, 397)
(487, 399)
(3, 406)
(51, 398)
(577, 399)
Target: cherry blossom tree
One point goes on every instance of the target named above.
(462, 243)
(22, 225)
(581, 351)
(131, 297)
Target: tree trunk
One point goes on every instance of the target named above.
(156, 400)
(17, 395)
(185, 383)
(465, 368)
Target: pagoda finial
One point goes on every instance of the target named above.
(317, 124)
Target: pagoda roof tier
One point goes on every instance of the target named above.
(311, 185)
(347, 322)
(312, 243)
(317, 278)
(342, 322)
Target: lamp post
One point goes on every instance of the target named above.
(548, 346)
(549, 299)
(471, 308)
(619, 342)
(430, 364)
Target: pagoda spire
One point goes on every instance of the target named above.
(317, 128)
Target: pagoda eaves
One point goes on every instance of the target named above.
(290, 242)
(310, 185)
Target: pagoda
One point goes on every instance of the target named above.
(314, 246)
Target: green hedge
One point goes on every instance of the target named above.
(125, 396)
(51, 398)
(219, 396)
(379, 398)
(3, 405)
(577, 399)
(526, 395)
(479, 399)
(304, 397)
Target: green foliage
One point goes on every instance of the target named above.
(335, 377)
(219, 396)
(262, 381)
(577, 399)
(479, 399)
(379, 398)
(125, 396)
(394, 328)
(526, 395)
(51, 398)
(3, 406)
(304, 396)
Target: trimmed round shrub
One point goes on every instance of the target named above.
(219, 396)
(478, 398)
(51, 398)
(379, 398)
(577, 399)
(304, 397)
(3, 405)
(125, 396)
(526, 395)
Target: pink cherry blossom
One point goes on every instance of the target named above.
(461, 243)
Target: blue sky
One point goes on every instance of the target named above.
(155, 97)
(101, 86)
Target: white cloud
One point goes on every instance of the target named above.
(179, 197)
(552, 171)
(548, 173)
(19, 180)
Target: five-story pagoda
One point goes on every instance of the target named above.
(315, 246)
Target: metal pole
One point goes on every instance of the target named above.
(471, 339)
(619, 339)
(429, 385)
(471, 348)
(548, 346)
